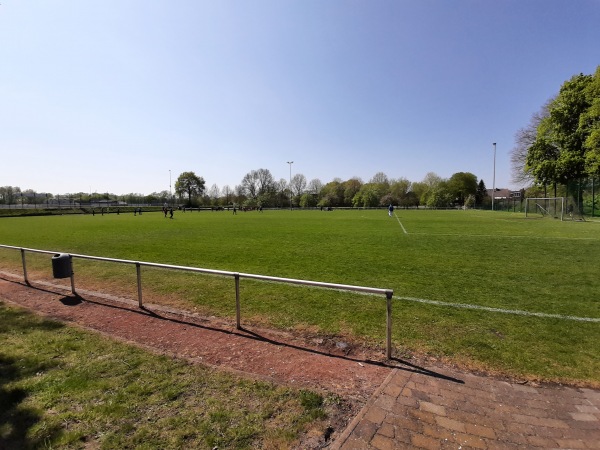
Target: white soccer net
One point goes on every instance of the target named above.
(547, 207)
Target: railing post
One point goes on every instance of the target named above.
(388, 296)
(72, 276)
(24, 266)
(138, 269)
(238, 318)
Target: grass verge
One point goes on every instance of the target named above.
(69, 388)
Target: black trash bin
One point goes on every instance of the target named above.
(61, 266)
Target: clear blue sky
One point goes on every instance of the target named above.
(109, 96)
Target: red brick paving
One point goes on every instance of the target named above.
(463, 411)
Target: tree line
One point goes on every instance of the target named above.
(260, 188)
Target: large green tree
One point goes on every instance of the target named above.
(565, 145)
(351, 188)
(589, 123)
(461, 185)
(189, 185)
(332, 193)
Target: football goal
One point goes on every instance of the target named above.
(547, 207)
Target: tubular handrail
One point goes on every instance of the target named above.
(236, 275)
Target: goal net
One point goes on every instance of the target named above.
(547, 207)
(572, 210)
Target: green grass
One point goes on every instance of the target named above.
(496, 260)
(61, 387)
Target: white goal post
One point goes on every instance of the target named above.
(553, 207)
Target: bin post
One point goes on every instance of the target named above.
(72, 276)
(138, 270)
(238, 315)
(24, 266)
(388, 296)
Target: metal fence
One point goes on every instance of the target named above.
(237, 276)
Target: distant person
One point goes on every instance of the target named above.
(391, 210)
(234, 210)
(171, 212)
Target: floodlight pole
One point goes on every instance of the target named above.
(494, 179)
(290, 163)
(170, 195)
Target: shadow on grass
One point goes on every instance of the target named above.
(16, 420)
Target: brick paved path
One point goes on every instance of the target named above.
(458, 411)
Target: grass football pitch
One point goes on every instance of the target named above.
(487, 290)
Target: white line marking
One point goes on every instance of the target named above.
(507, 236)
(499, 310)
(398, 219)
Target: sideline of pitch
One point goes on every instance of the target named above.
(398, 219)
(500, 310)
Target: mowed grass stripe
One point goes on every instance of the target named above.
(490, 260)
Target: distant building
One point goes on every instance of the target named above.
(500, 193)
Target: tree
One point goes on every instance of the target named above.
(419, 191)
(399, 190)
(351, 188)
(266, 182)
(524, 139)
(189, 185)
(250, 184)
(565, 114)
(239, 193)
(298, 184)
(259, 185)
(589, 123)
(481, 193)
(332, 193)
(155, 197)
(226, 194)
(461, 185)
(282, 191)
(381, 183)
(431, 183)
(440, 196)
(213, 194)
(367, 197)
(558, 153)
(315, 186)
(308, 200)
(542, 158)
(8, 194)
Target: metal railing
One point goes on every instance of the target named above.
(388, 293)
